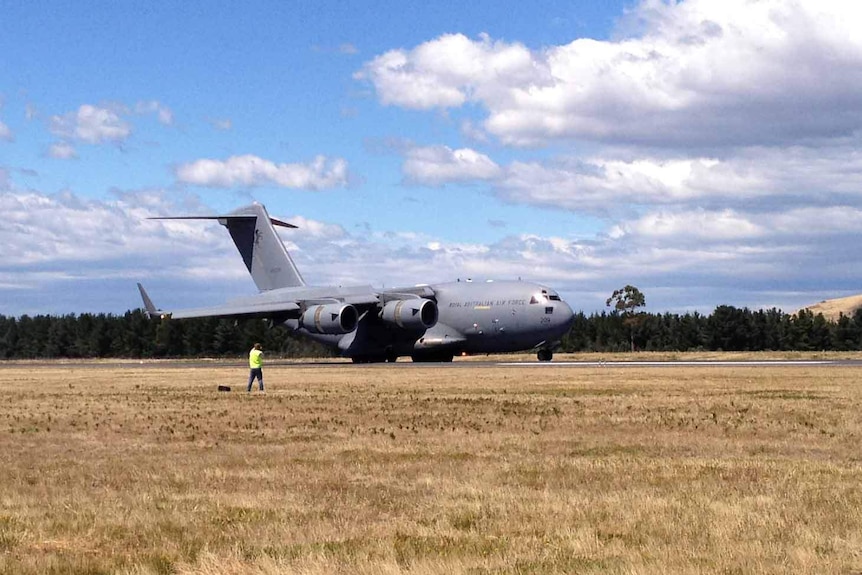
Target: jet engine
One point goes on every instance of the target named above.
(332, 318)
(411, 314)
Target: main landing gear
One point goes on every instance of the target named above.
(545, 354)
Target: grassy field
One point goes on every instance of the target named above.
(423, 469)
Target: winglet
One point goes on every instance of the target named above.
(148, 304)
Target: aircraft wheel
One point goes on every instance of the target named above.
(545, 355)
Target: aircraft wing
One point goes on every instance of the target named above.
(265, 311)
(333, 310)
(247, 309)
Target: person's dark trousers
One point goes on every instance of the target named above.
(256, 372)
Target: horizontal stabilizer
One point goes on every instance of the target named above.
(273, 221)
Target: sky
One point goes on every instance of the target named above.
(704, 151)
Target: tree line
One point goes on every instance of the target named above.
(134, 335)
(728, 328)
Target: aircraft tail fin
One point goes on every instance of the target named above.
(263, 252)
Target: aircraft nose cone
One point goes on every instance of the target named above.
(565, 316)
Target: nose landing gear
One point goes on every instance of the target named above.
(545, 354)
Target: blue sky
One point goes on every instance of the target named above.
(703, 150)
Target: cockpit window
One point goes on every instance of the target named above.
(544, 296)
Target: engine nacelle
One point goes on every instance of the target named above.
(331, 319)
(411, 314)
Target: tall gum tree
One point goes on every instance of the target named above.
(626, 300)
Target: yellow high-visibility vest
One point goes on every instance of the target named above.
(254, 359)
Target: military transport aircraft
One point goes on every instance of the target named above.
(427, 322)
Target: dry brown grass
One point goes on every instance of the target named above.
(425, 469)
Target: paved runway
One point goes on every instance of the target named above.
(704, 363)
(342, 364)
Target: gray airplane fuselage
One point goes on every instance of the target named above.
(473, 317)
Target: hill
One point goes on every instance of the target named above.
(832, 308)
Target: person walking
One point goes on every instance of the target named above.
(255, 364)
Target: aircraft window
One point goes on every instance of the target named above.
(549, 310)
(554, 297)
(539, 297)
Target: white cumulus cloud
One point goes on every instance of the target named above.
(164, 114)
(62, 151)
(702, 226)
(436, 165)
(448, 71)
(252, 171)
(92, 124)
(749, 178)
(734, 71)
